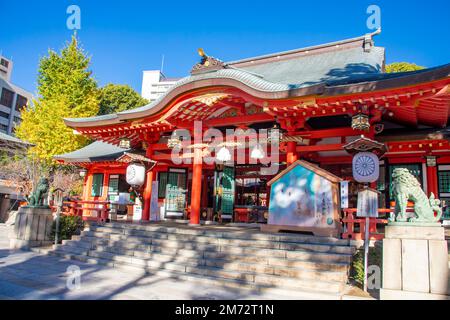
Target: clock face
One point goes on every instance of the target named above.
(366, 167)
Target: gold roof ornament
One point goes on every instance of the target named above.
(207, 63)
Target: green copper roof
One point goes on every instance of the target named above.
(8, 138)
(97, 151)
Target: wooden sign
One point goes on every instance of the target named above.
(368, 203)
(304, 197)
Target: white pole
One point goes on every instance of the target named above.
(366, 252)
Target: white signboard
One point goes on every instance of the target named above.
(344, 194)
(137, 213)
(368, 203)
(154, 208)
(366, 167)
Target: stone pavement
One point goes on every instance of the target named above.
(30, 275)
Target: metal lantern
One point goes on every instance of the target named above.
(275, 134)
(174, 141)
(125, 143)
(360, 121)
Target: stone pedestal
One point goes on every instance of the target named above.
(32, 228)
(415, 262)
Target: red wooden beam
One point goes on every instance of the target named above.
(247, 119)
(318, 148)
(331, 133)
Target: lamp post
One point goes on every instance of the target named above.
(58, 201)
(365, 168)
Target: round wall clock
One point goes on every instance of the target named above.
(366, 167)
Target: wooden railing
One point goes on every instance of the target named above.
(354, 227)
(88, 210)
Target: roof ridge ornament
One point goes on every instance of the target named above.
(368, 40)
(207, 63)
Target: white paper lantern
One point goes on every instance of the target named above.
(366, 167)
(136, 174)
(223, 155)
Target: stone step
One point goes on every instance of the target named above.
(298, 269)
(192, 234)
(222, 252)
(233, 278)
(214, 244)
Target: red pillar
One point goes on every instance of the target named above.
(196, 187)
(432, 184)
(147, 195)
(291, 156)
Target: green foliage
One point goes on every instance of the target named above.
(66, 90)
(402, 67)
(357, 271)
(115, 98)
(68, 227)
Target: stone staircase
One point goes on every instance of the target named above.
(231, 257)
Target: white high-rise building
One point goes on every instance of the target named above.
(6, 66)
(155, 84)
(12, 98)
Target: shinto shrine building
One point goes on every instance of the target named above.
(312, 97)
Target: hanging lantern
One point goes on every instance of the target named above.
(83, 172)
(275, 134)
(257, 152)
(223, 155)
(135, 174)
(360, 121)
(174, 141)
(125, 143)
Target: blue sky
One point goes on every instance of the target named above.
(126, 37)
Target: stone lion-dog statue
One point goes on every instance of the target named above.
(37, 197)
(405, 187)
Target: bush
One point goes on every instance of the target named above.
(375, 258)
(68, 226)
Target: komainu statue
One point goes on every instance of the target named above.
(37, 197)
(405, 187)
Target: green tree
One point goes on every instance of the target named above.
(66, 90)
(115, 98)
(402, 67)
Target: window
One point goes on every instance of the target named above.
(21, 102)
(4, 63)
(162, 178)
(97, 185)
(4, 115)
(17, 120)
(444, 181)
(3, 128)
(117, 184)
(7, 98)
